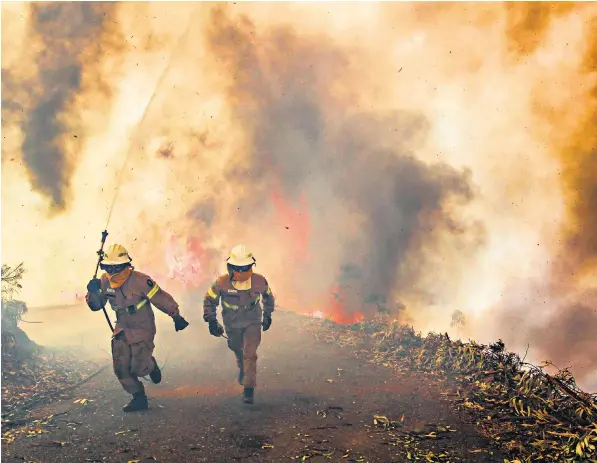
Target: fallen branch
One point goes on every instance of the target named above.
(565, 389)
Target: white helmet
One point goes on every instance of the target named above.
(116, 255)
(240, 256)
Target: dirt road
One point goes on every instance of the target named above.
(315, 402)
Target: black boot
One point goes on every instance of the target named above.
(138, 403)
(156, 373)
(248, 395)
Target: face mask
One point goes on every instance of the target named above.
(118, 279)
(242, 276)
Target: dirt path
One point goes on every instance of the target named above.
(316, 406)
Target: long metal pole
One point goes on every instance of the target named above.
(100, 254)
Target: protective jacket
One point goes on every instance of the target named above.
(131, 303)
(240, 307)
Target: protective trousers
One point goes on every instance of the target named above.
(131, 361)
(244, 343)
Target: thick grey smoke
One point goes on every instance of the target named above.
(72, 38)
(342, 158)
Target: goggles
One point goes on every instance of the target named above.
(236, 268)
(114, 269)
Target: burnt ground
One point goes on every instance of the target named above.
(315, 402)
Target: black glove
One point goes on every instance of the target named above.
(180, 323)
(215, 329)
(94, 285)
(267, 322)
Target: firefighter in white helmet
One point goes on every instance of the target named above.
(241, 292)
(131, 294)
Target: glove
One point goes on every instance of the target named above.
(267, 322)
(94, 285)
(215, 329)
(180, 323)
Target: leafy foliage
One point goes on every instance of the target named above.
(529, 414)
(12, 310)
(11, 278)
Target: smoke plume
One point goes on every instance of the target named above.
(335, 154)
(68, 40)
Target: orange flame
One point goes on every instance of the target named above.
(338, 308)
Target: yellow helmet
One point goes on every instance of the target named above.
(240, 256)
(116, 255)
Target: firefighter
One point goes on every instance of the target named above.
(240, 291)
(131, 294)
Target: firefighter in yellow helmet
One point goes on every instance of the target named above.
(131, 294)
(241, 292)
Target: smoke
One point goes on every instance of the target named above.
(580, 172)
(562, 317)
(528, 24)
(328, 149)
(66, 40)
(418, 158)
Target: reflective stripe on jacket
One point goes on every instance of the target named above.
(240, 307)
